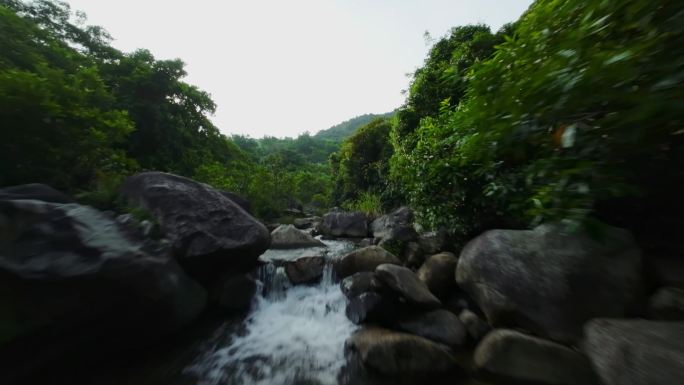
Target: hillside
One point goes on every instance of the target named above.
(341, 131)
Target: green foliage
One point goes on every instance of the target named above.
(342, 131)
(362, 162)
(579, 113)
(60, 124)
(367, 202)
(72, 107)
(443, 80)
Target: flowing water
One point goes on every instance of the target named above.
(293, 334)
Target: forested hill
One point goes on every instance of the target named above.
(573, 112)
(339, 132)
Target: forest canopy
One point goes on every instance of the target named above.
(573, 112)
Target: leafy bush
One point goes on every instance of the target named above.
(578, 115)
(368, 203)
(362, 164)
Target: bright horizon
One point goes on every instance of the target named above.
(284, 68)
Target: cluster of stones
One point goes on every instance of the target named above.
(76, 280)
(546, 306)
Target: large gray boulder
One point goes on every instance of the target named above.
(289, 237)
(344, 224)
(474, 325)
(305, 269)
(359, 283)
(521, 357)
(237, 199)
(433, 242)
(394, 353)
(374, 307)
(306, 223)
(549, 281)
(234, 292)
(437, 272)
(395, 227)
(209, 233)
(35, 191)
(665, 270)
(364, 259)
(667, 304)
(406, 284)
(636, 352)
(438, 325)
(72, 280)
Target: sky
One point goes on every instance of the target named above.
(284, 67)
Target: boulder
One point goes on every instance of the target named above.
(305, 269)
(549, 281)
(209, 233)
(394, 230)
(438, 325)
(665, 271)
(306, 223)
(405, 283)
(35, 191)
(667, 304)
(394, 353)
(365, 242)
(374, 307)
(289, 237)
(344, 224)
(235, 292)
(364, 259)
(238, 200)
(437, 272)
(521, 357)
(413, 255)
(433, 242)
(359, 283)
(73, 281)
(636, 352)
(475, 326)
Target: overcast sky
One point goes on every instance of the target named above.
(282, 67)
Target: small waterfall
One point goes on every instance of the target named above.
(293, 334)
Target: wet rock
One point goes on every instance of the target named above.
(438, 272)
(438, 325)
(73, 281)
(667, 304)
(364, 259)
(549, 281)
(394, 230)
(365, 242)
(394, 353)
(374, 307)
(413, 255)
(235, 292)
(209, 233)
(289, 237)
(636, 352)
(433, 242)
(666, 271)
(238, 200)
(305, 269)
(521, 357)
(359, 283)
(474, 325)
(344, 224)
(405, 283)
(306, 223)
(35, 191)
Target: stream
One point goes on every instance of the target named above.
(292, 334)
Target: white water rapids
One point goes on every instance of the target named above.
(292, 335)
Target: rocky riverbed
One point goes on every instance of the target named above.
(199, 292)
